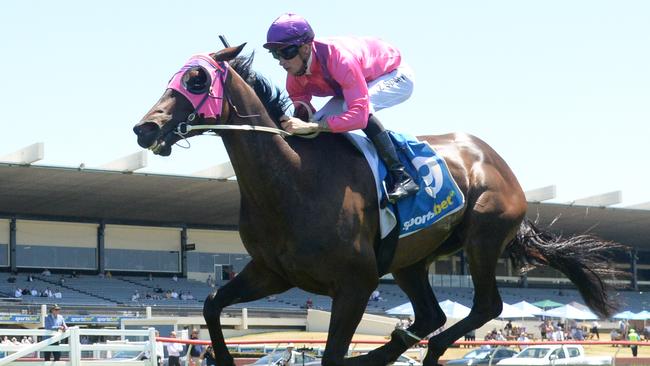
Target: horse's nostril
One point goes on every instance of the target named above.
(145, 128)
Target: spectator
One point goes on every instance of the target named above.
(614, 335)
(622, 327)
(62, 280)
(522, 338)
(18, 293)
(101, 274)
(287, 356)
(309, 303)
(74, 274)
(160, 351)
(109, 275)
(209, 281)
(34, 292)
(11, 279)
(197, 350)
(500, 337)
(508, 327)
(57, 294)
(633, 337)
(542, 330)
(558, 334)
(593, 332)
(46, 272)
(375, 296)
(470, 336)
(135, 296)
(30, 278)
(150, 277)
(175, 278)
(209, 357)
(54, 321)
(174, 351)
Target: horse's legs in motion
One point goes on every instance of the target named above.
(485, 237)
(252, 283)
(413, 280)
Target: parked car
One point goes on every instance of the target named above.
(126, 356)
(306, 359)
(405, 361)
(555, 354)
(276, 359)
(483, 355)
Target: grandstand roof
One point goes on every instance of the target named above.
(139, 198)
(43, 192)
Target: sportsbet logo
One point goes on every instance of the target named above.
(437, 209)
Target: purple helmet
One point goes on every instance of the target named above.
(289, 29)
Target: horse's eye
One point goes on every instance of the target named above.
(196, 80)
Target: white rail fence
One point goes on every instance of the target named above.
(74, 347)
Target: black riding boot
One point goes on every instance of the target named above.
(403, 184)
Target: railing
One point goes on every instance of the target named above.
(357, 346)
(74, 347)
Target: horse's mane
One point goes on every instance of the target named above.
(275, 102)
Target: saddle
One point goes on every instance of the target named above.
(438, 197)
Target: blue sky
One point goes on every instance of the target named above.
(561, 89)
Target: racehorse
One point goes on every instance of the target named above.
(309, 215)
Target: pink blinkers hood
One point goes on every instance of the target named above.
(211, 108)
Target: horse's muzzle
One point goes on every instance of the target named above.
(147, 132)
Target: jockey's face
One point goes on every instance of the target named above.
(293, 65)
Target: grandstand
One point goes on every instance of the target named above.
(94, 221)
(118, 291)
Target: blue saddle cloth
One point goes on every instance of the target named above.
(439, 194)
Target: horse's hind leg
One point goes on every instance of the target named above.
(485, 237)
(252, 283)
(413, 280)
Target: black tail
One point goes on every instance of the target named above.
(582, 258)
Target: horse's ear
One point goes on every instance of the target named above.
(229, 53)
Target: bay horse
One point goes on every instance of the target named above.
(309, 217)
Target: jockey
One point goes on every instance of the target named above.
(363, 76)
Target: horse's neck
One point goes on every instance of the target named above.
(263, 162)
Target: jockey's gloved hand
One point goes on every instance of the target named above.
(297, 126)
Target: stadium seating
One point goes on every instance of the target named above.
(118, 290)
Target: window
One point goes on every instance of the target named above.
(559, 353)
(573, 352)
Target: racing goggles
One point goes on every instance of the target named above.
(285, 53)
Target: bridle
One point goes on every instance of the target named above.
(217, 91)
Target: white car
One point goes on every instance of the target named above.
(405, 361)
(301, 359)
(555, 354)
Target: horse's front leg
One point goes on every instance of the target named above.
(348, 306)
(414, 281)
(252, 283)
